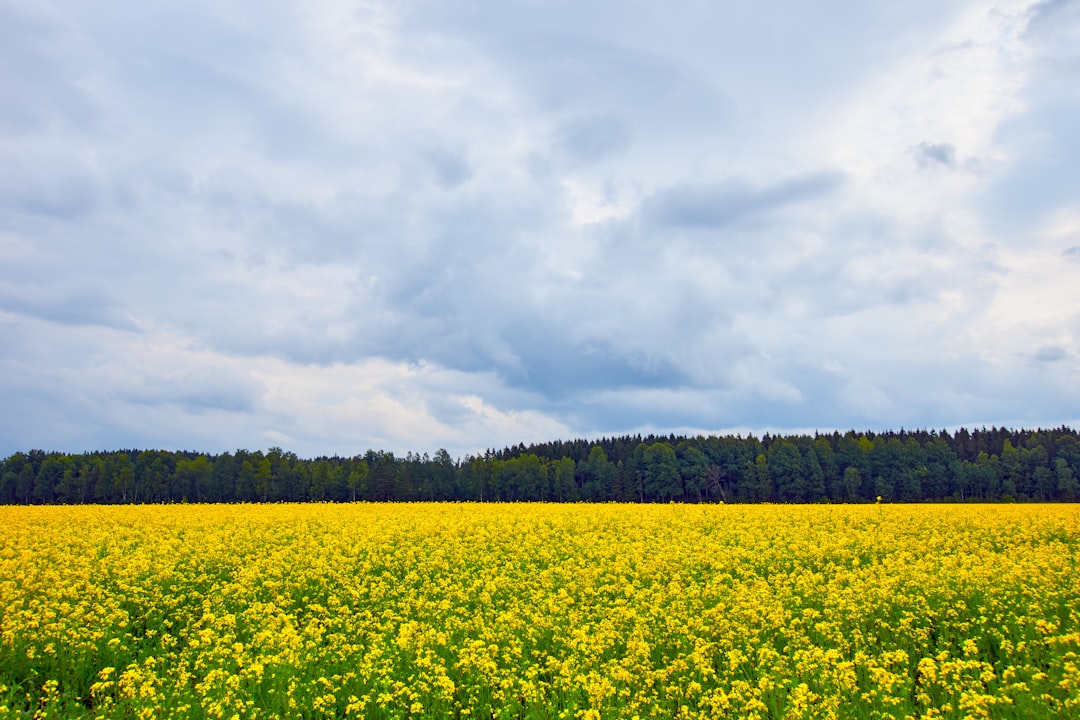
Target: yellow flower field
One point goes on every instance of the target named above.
(540, 611)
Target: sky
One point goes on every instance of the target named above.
(331, 226)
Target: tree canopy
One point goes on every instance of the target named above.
(984, 465)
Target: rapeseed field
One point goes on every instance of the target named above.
(540, 611)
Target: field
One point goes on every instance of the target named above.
(540, 611)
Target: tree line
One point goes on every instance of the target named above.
(983, 465)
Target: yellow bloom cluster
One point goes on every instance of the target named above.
(540, 611)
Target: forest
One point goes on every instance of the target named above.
(982, 465)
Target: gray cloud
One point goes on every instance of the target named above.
(1049, 354)
(1039, 183)
(1047, 16)
(587, 140)
(722, 204)
(523, 219)
(196, 391)
(1044, 140)
(451, 168)
(928, 154)
(67, 306)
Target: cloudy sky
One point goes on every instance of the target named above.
(333, 225)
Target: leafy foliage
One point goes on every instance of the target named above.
(983, 465)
